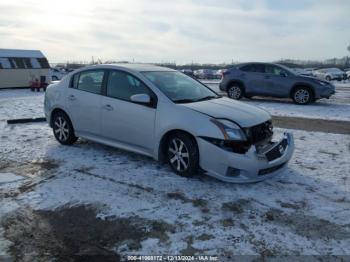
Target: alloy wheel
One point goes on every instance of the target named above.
(178, 155)
(61, 128)
(302, 96)
(235, 92)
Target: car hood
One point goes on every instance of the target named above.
(226, 108)
(313, 79)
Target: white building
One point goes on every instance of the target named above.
(18, 68)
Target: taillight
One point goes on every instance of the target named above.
(224, 72)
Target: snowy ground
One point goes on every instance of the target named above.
(93, 199)
(336, 108)
(29, 104)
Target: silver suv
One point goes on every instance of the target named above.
(166, 115)
(273, 80)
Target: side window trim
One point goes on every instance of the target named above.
(104, 88)
(72, 84)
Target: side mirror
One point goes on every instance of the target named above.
(141, 98)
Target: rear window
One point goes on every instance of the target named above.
(91, 81)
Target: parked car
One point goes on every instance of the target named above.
(204, 74)
(219, 73)
(273, 80)
(347, 72)
(311, 70)
(188, 72)
(169, 116)
(301, 71)
(57, 74)
(330, 74)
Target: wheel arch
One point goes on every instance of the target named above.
(235, 81)
(164, 139)
(299, 85)
(55, 111)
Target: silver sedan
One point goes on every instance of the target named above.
(171, 117)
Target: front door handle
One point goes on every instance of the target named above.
(72, 98)
(108, 107)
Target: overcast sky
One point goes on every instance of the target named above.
(212, 31)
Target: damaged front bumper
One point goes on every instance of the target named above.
(258, 164)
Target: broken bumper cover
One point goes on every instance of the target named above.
(255, 165)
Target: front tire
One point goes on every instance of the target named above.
(182, 154)
(302, 96)
(235, 91)
(63, 129)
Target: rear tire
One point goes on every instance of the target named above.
(182, 154)
(302, 96)
(235, 91)
(63, 129)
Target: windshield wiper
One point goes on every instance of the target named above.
(206, 98)
(180, 101)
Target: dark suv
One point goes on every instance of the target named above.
(273, 80)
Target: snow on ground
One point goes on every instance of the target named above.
(21, 103)
(282, 215)
(337, 107)
(304, 210)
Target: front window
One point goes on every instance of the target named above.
(335, 70)
(179, 87)
(122, 85)
(275, 70)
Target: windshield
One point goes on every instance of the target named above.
(335, 70)
(179, 87)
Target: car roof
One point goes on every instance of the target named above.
(134, 67)
(259, 63)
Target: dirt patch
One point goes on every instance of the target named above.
(228, 222)
(30, 168)
(38, 172)
(308, 124)
(205, 237)
(76, 234)
(236, 207)
(295, 205)
(308, 226)
(190, 250)
(202, 204)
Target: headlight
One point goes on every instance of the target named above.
(230, 130)
(321, 83)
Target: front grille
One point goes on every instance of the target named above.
(260, 133)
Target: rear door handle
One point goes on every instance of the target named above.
(72, 98)
(108, 107)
